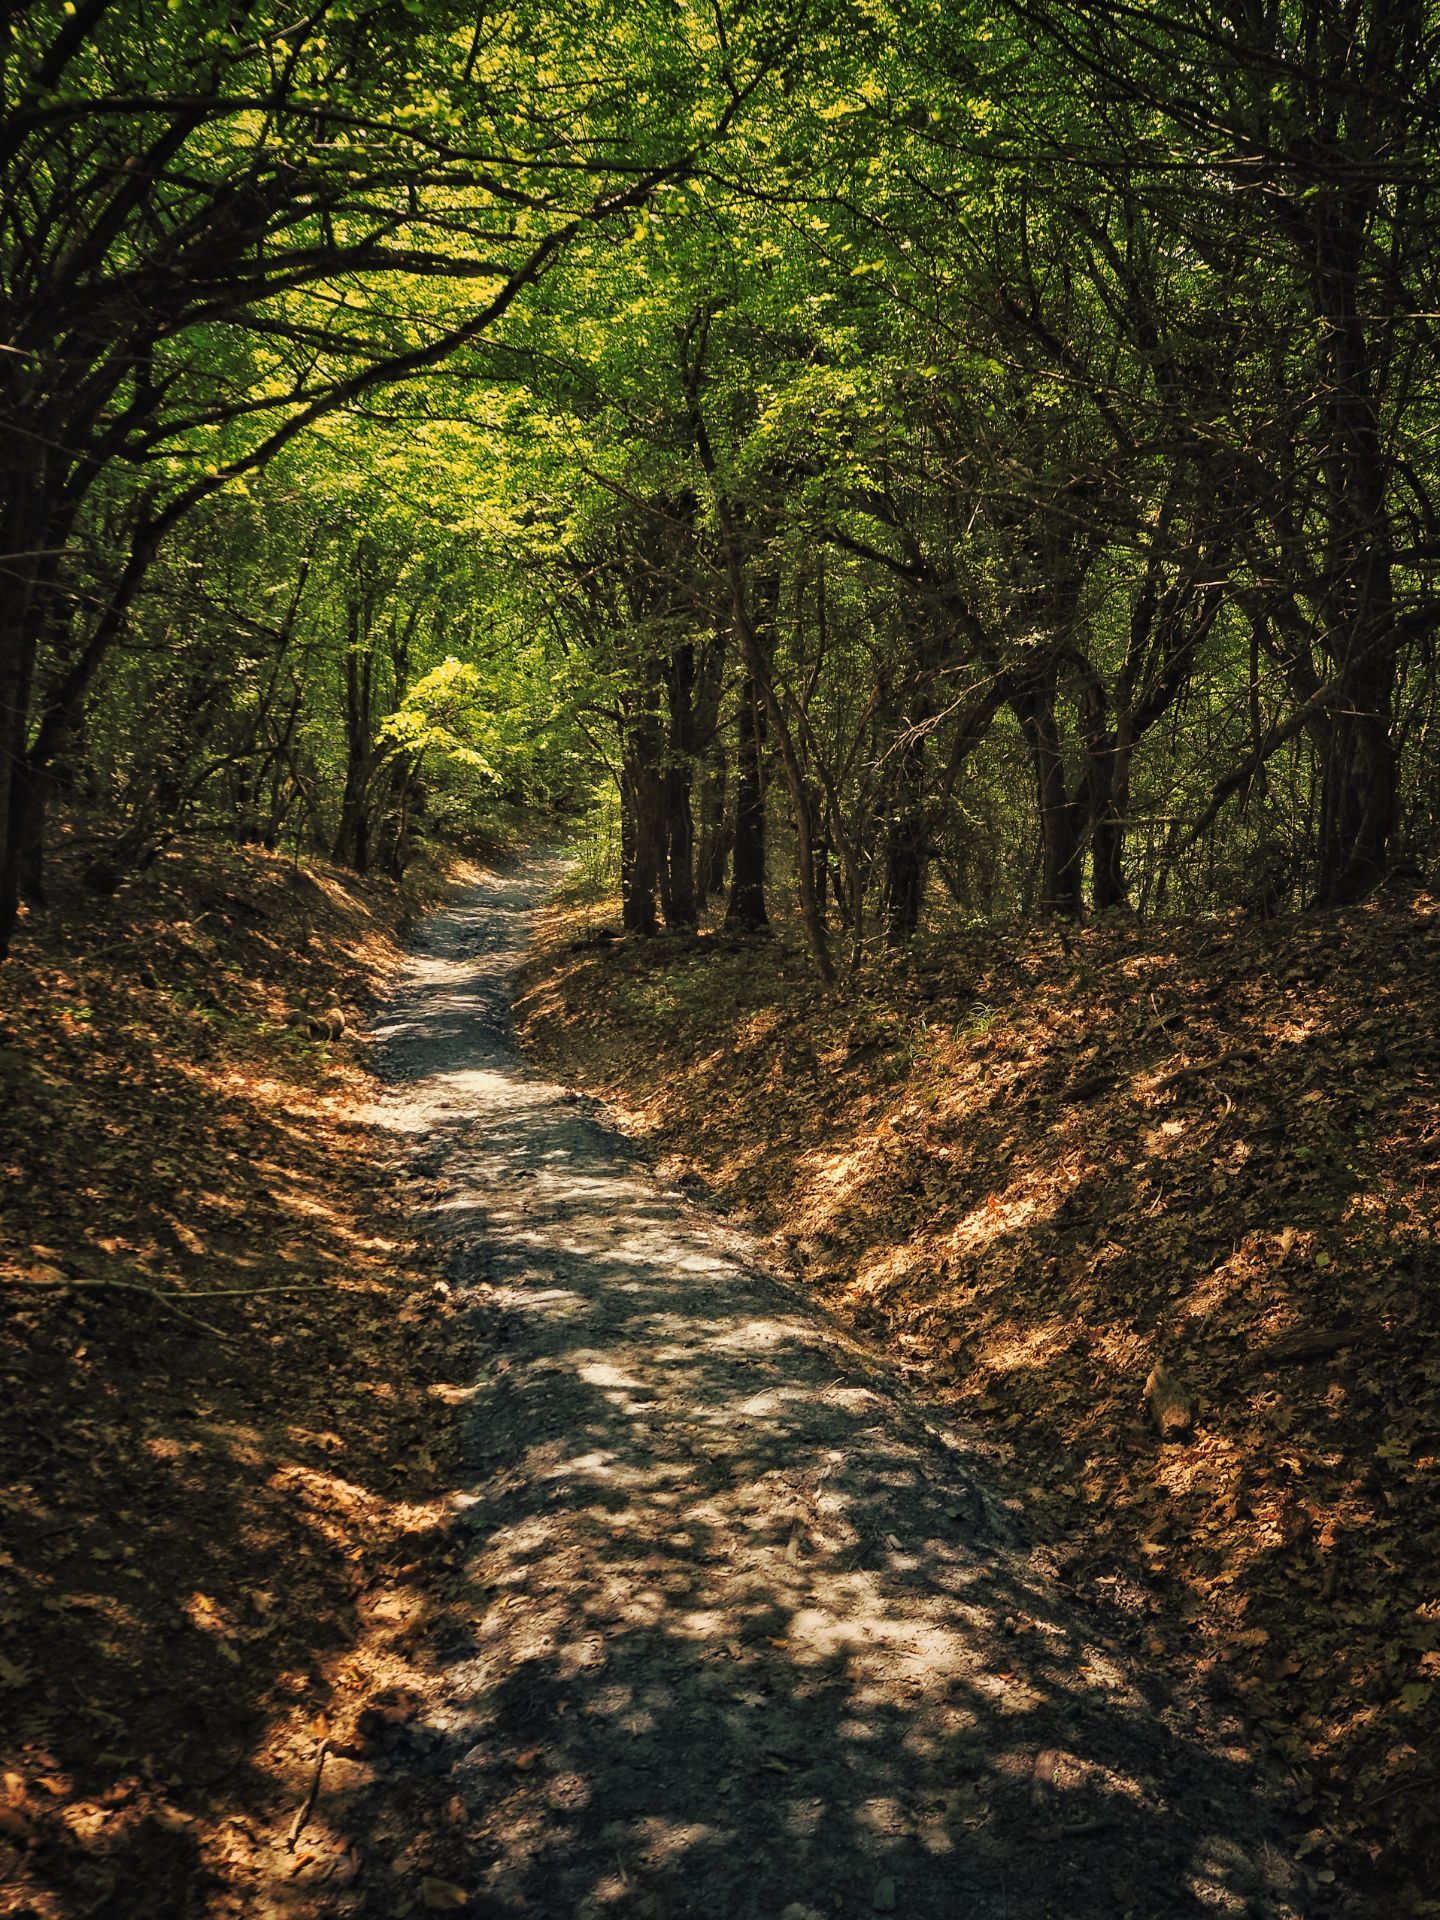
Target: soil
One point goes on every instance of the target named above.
(1036, 1166)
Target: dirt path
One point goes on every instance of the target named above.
(752, 1642)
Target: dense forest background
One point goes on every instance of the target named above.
(916, 461)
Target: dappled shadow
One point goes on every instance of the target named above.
(186, 1512)
(748, 1635)
(1032, 1168)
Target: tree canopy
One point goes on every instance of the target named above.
(911, 461)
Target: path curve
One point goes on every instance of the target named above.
(756, 1642)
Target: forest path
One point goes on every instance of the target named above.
(752, 1640)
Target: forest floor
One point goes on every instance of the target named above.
(1036, 1167)
(203, 1529)
(315, 1609)
(546, 1554)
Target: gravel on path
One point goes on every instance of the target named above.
(753, 1640)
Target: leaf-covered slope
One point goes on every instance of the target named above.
(1040, 1167)
(193, 1520)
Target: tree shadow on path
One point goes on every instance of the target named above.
(751, 1637)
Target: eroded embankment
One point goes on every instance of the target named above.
(198, 1522)
(1035, 1167)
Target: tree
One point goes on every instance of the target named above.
(180, 250)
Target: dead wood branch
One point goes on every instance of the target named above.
(1315, 1344)
(297, 1825)
(168, 1299)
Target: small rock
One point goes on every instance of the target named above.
(1171, 1404)
(330, 1025)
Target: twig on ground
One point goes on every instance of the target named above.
(1399, 1786)
(1317, 1344)
(167, 1298)
(297, 1825)
(163, 1297)
(1176, 1074)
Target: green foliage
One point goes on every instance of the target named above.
(449, 411)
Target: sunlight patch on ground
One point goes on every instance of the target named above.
(1015, 1348)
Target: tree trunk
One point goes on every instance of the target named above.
(352, 835)
(822, 850)
(677, 880)
(761, 682)
(768, 699)
(1107, 848)
(1061, 845)
(22, 520)
(1358, 792)
(37, 787)
(745, 910)
(716, 828)
(906, 838)
(713, 850)
(1359, 782)
(642, 835)
(1110, 803)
